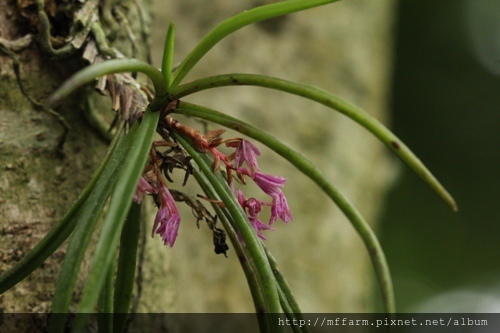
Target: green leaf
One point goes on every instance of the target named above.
(310, 170)
(168, 55)
(287, 299)
(85, 225)
(120, 203)
(125, 275)
(246, 261)
(105, 304)
(59, 233)
(330, 101)
(242, 225)
(237, 22)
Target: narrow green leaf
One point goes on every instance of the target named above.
(252, 243)
(287, 299)
(90, 73)
(246, 261)
(289, 313)
(125, 275)
(59, 233)
(120, 203)
(85, 225)
(237, 22)
(105, 304)
(310, 170)
(330, 101)
(168, 55)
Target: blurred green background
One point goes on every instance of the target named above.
(446, 107)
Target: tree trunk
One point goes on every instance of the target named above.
(38, 182)
(344, 48)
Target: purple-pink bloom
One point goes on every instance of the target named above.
(168, 218)
(253, 207)
(142, 188)
(280, 209)
(271, 185)
(247, 152)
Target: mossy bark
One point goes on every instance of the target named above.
(37, 182)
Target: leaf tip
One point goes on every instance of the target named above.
(453, 205)
(449, 200)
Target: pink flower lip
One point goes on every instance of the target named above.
(246, 152)
(167, 219)
(271, 185)
(253, 207)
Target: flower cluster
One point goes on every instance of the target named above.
(165, 156)
(246, 154)
(242, 163)
(167, 219)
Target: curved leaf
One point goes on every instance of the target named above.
(120, 203)
(252, 243)
(90, 73)
(247, 263)
(237, 22)
(85, 225)
(329, 100)
(287, 299)
(125, 275)
(310, 170)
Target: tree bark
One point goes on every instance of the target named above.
(344, 48)
(38, 183)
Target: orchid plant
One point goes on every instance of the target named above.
(136, 165)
